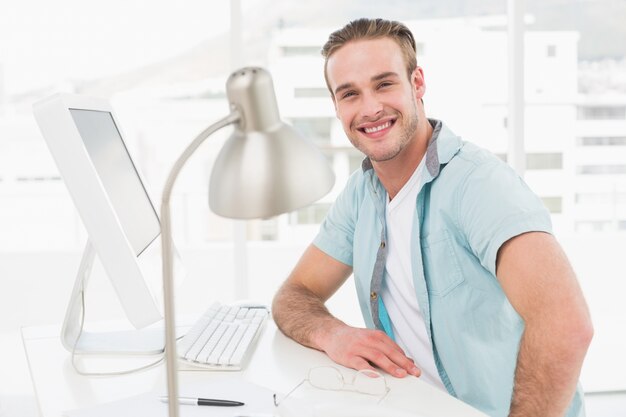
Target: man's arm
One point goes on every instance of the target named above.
(299, 311)
(542, 287)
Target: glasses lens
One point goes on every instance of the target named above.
(326, 378)
(370, 382)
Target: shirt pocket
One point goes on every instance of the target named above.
(442, 270)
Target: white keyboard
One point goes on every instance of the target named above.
(223, 337)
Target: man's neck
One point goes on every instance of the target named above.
(395, 173)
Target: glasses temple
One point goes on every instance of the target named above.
(387, 389)
(277, 401)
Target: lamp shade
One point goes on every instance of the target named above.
(265, 168)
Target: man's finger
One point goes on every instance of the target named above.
(360, 364)
(382, 361)
(398, 357)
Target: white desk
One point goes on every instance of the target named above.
(278, 363)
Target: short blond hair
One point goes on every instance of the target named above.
(363, 29)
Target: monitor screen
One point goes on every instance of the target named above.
(119, 177)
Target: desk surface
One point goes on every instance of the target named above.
(278, 363)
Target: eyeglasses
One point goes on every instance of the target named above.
(330, 378)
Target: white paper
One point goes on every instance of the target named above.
(258, 401)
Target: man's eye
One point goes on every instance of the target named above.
(384, 84)
(348, 94)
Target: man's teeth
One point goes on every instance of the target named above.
(377, 128)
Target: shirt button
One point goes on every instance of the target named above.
(382, 244)
(373, 295)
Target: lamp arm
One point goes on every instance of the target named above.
(166, 248)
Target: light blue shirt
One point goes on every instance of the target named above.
(471, 203)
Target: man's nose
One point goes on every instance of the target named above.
(371, 108)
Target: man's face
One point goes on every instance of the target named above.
(373, 97)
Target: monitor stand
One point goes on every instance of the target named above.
(125, 342)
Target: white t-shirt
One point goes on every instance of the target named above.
(398, 289)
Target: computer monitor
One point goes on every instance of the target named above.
(87, 144)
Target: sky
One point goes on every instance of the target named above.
(43, 42)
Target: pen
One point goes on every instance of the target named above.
(205, 401)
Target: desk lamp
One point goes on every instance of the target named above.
(262, 170)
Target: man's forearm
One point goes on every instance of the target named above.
(548, 367)
(302, 316)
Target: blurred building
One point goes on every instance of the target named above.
(575, 132)
(574, 140)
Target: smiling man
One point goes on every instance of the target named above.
(459, 279)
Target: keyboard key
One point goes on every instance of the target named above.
(201, 341)
(232, 346)
(244, 345)
(204, 354)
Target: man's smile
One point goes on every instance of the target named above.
(376, 128)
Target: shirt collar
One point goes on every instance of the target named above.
(442, 146)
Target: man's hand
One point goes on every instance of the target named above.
(300, 313)
(365, 349)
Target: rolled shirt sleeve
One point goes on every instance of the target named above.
(336, 234)
(495, 205)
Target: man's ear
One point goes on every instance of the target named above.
(417, 80)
